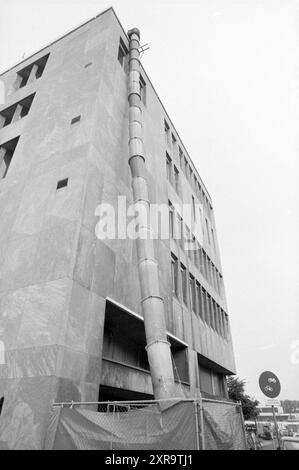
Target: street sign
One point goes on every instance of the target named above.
(269, 384)
(272, 402)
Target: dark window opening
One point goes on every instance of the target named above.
(124, 338)
(62, 183)
(168, 168)
(174, 275)
(122, 53)
(179, 354)
(26, 105)
(76, 119)
(7, 115)
(142, 90)
(167, 133)
(184, 283)
(115, 394)
(88, 65)
(212, 378)
(38, 68)
(1, 404)
(176, 179)
(6, 153)
(16, 111)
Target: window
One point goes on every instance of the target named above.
(174, 275)
(1, 404)
(75, 119)
(173, 142)
(181, 231)
(181, 156)
(186, 166)
(208, 232)
(193, 209)
(31, 72)
(62, 183)
(215, 314)
(176, 179)
(179, 353)
(171, 220)
(210, 310)
(200, 310)
(142, 90)
(6, 153)
(213, 239)
(192, 292)
(168, 168)
(184, 283)
(122, 53)
(226, 327)
(16, 111)
(205, 379)
(167, 133)
(124, 338)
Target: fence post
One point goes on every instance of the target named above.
(203, 441)
(196, 424)
(243, 424)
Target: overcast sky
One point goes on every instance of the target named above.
(227, 74)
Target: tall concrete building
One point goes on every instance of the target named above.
(71, 316)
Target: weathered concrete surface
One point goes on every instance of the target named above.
(54, 273)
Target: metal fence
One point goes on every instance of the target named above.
(202, 424)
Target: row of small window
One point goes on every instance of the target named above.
(171, 142)
(122, 59)
(197, 298)
(179, 231)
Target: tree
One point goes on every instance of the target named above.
(236, 392)
(290, 406)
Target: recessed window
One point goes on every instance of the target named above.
(176, 179)
(88, 65)
(62, 183)
(171, 220)
(32, 71)
(16, 111)
(184, 283)
(192, 292)
(122, 53)
(6, 153)
(142, 90)
(167, 132)
(174, 275)
(168, 168)
(75, 119)
(1, 404)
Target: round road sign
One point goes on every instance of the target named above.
(269, 384)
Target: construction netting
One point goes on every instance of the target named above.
(154, 425)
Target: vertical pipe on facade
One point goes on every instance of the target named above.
(158, 347)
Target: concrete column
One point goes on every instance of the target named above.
(2, 163)
(17, 113)
(32, 76)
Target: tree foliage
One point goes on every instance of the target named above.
(236, 392)
(290, 406)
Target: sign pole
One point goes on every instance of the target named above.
(276, 427)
